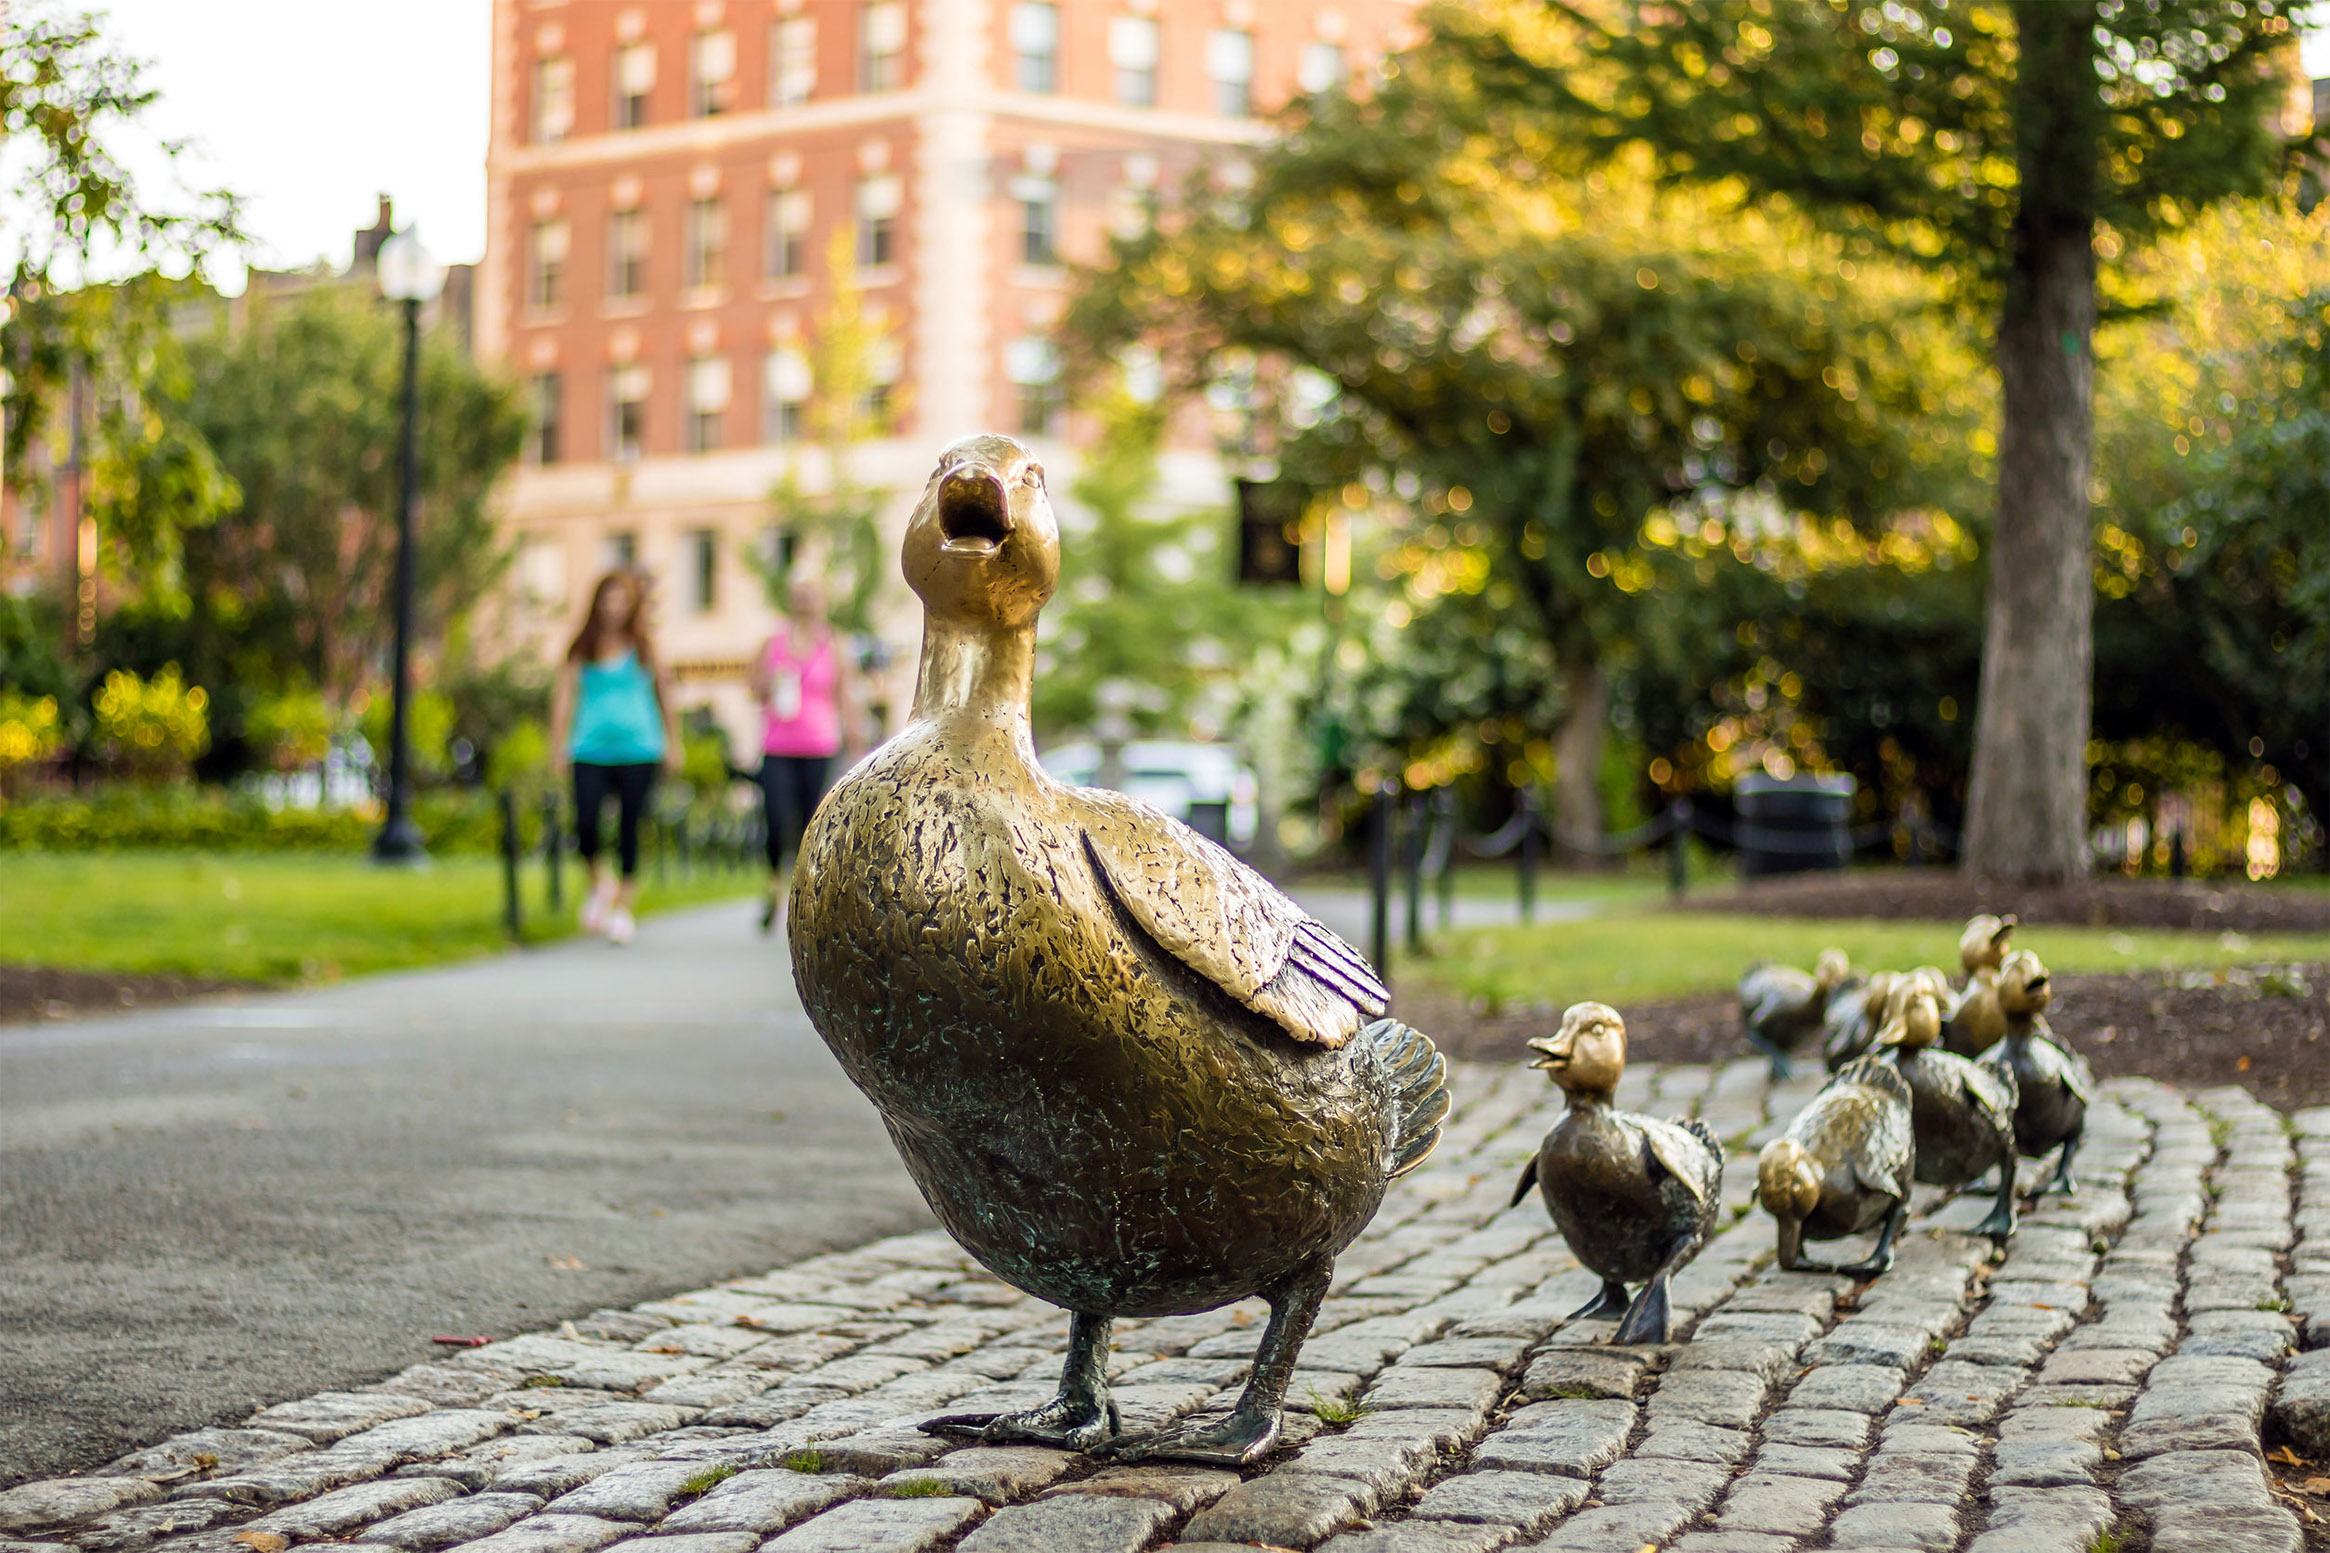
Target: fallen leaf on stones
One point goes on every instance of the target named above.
(569, 1264)
(1911, 1402)
(2285, 1456)
(261, 1541)
(462, 1342)
(2241, 1065)
(2319, 1487)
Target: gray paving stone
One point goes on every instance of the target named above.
(1684, 1441)
(1904, 1436)
(1185, 1488)
(1388, 1467)
(1770, 1360)
(1576, 1437)
(1894, 1478)
(615, 1423)
(1768, 1502)
(1787, 1328)
(140, 1526)
(1502, 1354)
(2301, 1404)
(507, 1467)
(1854, 1388)
(881, 1452)
(1969, 1395)
(1607, 1527)
(1810, 1461)
(1871, 1342)
(291, 1478)
(345, 1510)
(880, 1526)
(1528, 1502)
(1582, 1373)
(1818, 1426)
(1731, 1398)
(1895, 1526)
(1072, 1523)
(1470, 1389)
(694, 1542)
(57, 1502)
(1285, 1509)
(995, 1474)
(634, 1491)
(334, 1415)
(2043, 1463)
(763, 1501)
(1735, 1542)
(2192, 1418)
(2097, 1366)
(1421, 1537)
(2029, 1521)
(553, 1534)
(207, 1450)
(453, 1521)
(1639, 1479)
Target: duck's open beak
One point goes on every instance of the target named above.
(2035, 986)
(2006, 925)
(974, 512)
(1553, 1052)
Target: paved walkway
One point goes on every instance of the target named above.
(210, 1207)
(2109, 1376)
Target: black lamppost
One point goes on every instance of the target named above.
(407, 275)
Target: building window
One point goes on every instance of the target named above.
(549, 405)
(1132, 54)
(878, 201)
(711, 74)
(1035, 46)
(553, 99)
(1321, 68)
(622, 550)
(627, 253)
(885, 365)
(634, 80)
(707, 243)
(626, 411)
(1039, 217)
(546, 247)
(786, 252)
(707, 401)
(1034, 369)
(793, 61)
(1229, 60)
(882, 46)
(541, 572)
(703, 571)
(784, 395)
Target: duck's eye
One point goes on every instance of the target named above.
(1033, 475)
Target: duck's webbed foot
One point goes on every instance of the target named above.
(1247, 1434)
(1777, 1059)
(1606, 1306)
(1647, 1319)
(1998, 1224)
(1081, 1418)
(2063, 1181)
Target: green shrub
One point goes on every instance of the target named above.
(188, 818)
(31, 731)
(153, 728)
(290, 730)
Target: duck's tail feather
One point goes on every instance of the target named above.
(1417, 1076)
(1874, 1070)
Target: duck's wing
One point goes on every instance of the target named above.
(1227, 923)
(2078, 1077)
(1684, 1150)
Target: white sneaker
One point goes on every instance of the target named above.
(595, 908)
(620, 927)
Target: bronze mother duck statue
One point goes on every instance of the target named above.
(1128, 1074)
(1635, 1197)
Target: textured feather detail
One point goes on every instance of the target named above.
(1874, 1071)
(1705, 1133)
(1416, 1076)
(1227, 923)
(1672, 1143)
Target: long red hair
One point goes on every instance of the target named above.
(590, 643)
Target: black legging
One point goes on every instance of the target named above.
(630, 784)
(790, 786)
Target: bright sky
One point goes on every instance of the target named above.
(310, 108)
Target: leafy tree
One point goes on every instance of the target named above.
(1144, 599)
(1548, 355)
(301, 407)
(2005, 146)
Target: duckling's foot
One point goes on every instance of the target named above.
(1605, 1306)
(1064, 1423)
(1999, 1225)
(1238, 1440)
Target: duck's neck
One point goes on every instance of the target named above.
(977, 678)
(1586, 1102)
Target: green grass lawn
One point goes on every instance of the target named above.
(282, 916)
(1622, 955)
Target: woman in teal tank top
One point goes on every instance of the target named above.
(613, 720)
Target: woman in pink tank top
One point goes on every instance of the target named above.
(807, 693)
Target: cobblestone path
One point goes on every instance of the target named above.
(2108, 1376)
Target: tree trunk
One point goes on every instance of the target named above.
(2026, 813)
(1577, 763)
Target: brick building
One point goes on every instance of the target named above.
(665, 178)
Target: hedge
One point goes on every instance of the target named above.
(215, 820)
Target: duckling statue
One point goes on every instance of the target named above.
(1634, 1196)
(1962, 1115)
(1780, 1005)
(1974, 1021)
(1842, 1168)
(2052, 1083)
(1854, 1012)
(1128, 1074)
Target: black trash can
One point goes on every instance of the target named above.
(1793, 824)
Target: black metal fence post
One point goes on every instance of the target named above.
(1412, 864)
(1379, 881)
(1527, 800)
(554, 851)
(1444, 822)
(513, 913)
(1678, 844)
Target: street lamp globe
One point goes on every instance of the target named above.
(407, 272)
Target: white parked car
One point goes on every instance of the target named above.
(1202, 784)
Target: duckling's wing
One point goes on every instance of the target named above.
(1683, 1150)
(1228, 923)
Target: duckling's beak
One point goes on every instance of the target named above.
(974, 512)
(2035, 986)
(1553, 1052)
(2006, 925)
